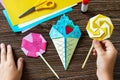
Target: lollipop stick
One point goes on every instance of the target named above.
(86, 59)
(49, 65)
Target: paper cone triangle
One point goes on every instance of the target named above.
(65, 53)
(60, 47)
(71, 45)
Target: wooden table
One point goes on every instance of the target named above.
(36, 69)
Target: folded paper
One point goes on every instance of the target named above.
(100, 27)
(33, 43)
(65, 36)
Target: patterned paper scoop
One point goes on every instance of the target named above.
(99, 27)
(34, 45)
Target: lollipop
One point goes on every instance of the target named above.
(34, 45)
(100, 28)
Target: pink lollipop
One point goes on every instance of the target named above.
(34, 45)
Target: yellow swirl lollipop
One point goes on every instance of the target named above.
(99, 27)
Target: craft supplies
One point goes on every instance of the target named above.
(40, 5)
(15, 8)
(84, 6)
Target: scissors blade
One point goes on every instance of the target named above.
(27, 12)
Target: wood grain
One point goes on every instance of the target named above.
(36, 69)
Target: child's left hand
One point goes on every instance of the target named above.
(8, 69)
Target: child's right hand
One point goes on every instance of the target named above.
(106, 56)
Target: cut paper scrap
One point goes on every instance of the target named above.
(19, 7)
(28, 25)
(68, 29)
(99, 28)
(65, 44)
(34, 45)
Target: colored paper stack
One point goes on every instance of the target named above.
(14, 8)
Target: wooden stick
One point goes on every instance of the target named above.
(86, 59)
(48, 65)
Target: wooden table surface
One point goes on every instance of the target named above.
(36, 69)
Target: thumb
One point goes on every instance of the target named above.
(98, 46)
(20, 64)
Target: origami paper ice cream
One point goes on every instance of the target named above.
(100, 27)
(65, 36)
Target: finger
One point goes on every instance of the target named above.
(20, 64)
(94, 52)
(10, 57)
(98, 47)
(3, 52)
(108, 44)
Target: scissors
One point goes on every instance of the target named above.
(45, 4)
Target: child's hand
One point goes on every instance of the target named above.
(106, 56)
(8, 69)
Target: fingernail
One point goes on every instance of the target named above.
(95, 41)
(2, 45)
(8, 46)
(21, 59)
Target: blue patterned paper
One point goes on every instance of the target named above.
(59, 29)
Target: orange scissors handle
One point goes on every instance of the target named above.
(46, 4)
(39, 2)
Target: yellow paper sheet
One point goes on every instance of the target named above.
(17, 7)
